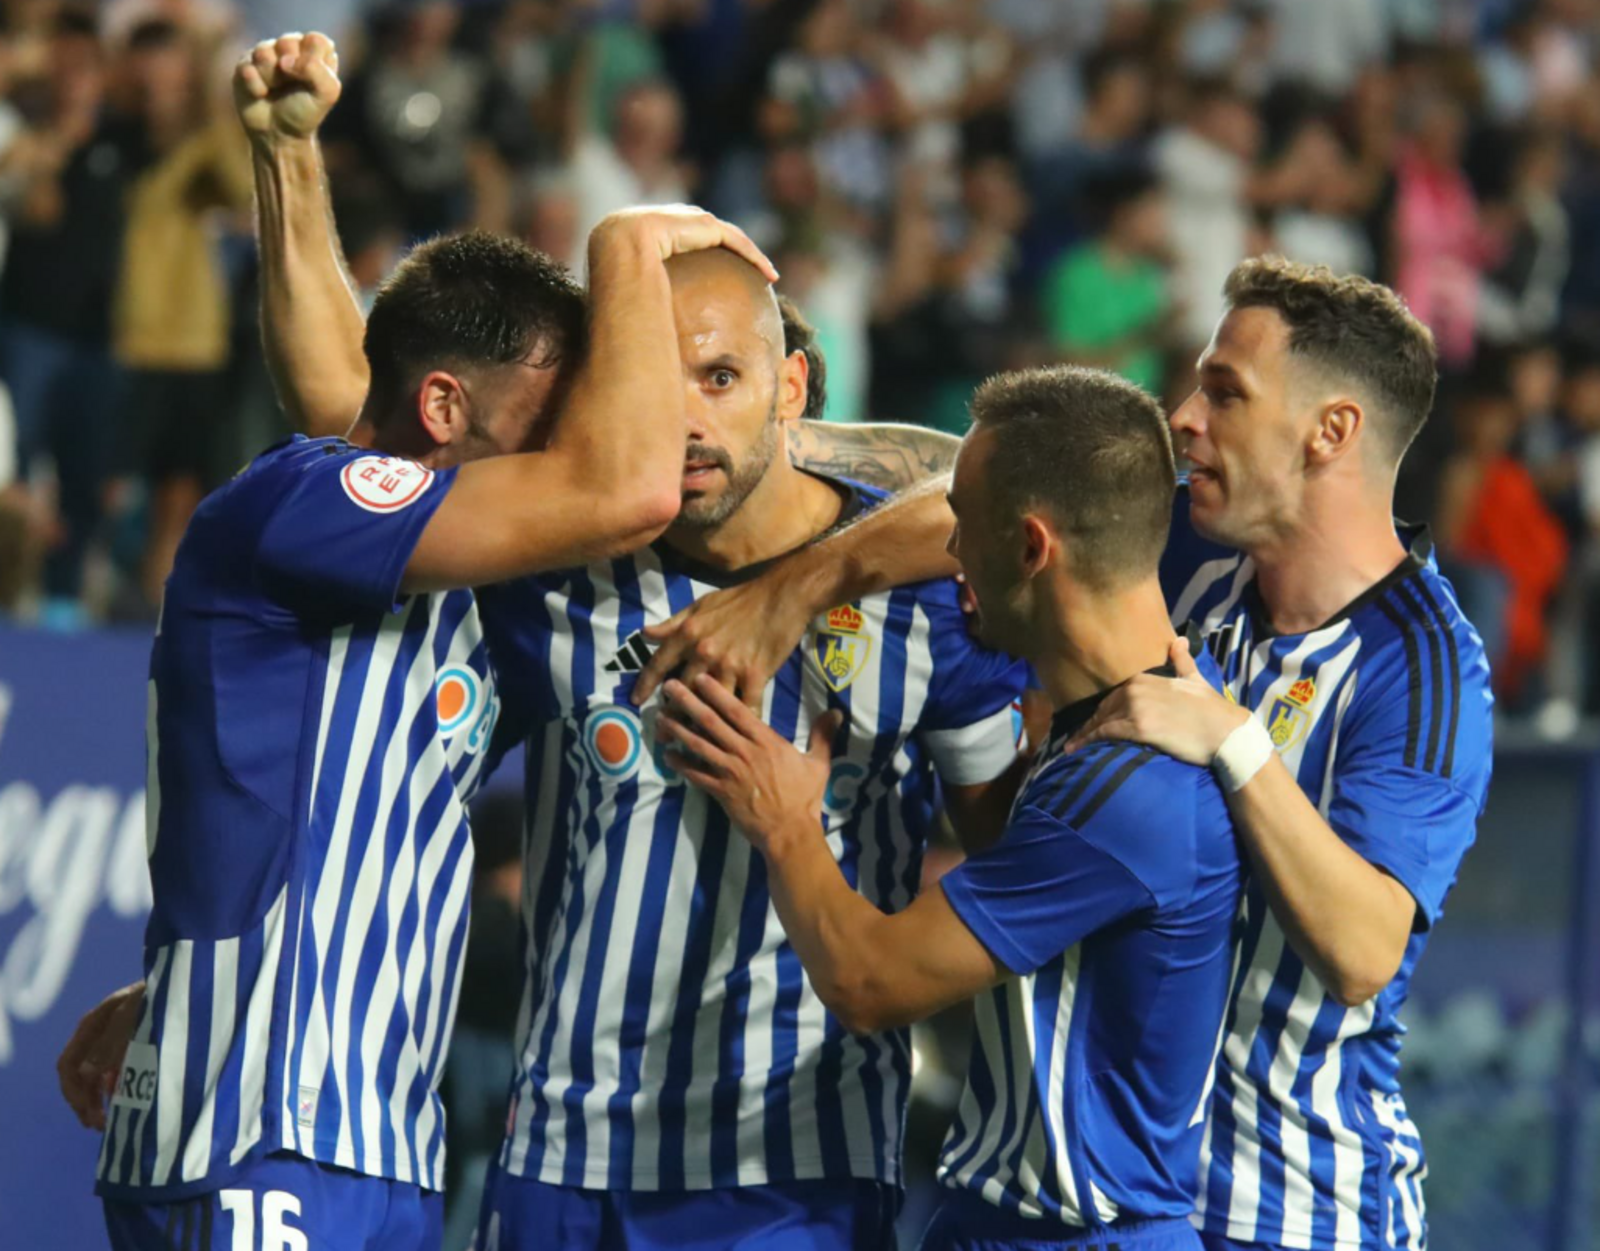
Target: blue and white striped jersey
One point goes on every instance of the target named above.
(669, 1038)
(312, 739)
(1112, 897)
(1383, 716)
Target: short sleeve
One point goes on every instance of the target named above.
(971, 724)
(1040, 890)
(341, 535)
(1406, 799)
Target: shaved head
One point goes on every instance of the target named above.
(718, 276)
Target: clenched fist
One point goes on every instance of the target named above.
(284, 87)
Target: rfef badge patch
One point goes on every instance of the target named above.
(1290, 716)
(385, 484)
(842, 646)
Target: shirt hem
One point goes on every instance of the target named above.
(219, 1178)
(807, 1168)
(1240, 1231)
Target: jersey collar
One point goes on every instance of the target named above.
(1419, 551)
(1069, 720)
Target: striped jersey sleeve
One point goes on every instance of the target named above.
(1412, 769)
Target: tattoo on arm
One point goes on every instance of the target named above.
(886, 456)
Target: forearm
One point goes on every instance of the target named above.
(893, 457)
(830, 926)
(1348, 920)
(901, 542)
(624, 422)
(311, 324)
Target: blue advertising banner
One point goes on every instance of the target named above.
(74, 893)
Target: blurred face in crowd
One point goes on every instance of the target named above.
(1140, 225)
(77, 72)
(1245, 431)
(827, 32)
(741, 388)
(1536, 380)
(1122, 102)
(649, 125)
(1582, 398)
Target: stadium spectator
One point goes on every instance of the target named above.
(71, 165)
(1503, 546)
(1106, 302)
(171, 317)
(635, 161)
(420, 110)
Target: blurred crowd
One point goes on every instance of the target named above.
(950, 188)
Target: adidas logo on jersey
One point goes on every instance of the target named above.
(632, 655)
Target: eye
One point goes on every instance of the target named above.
(722, 379)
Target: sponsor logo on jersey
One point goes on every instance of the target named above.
(632, 656)
(614, 740)
(136, 1086)
(465, 703)
(385, 484)
(841, 647)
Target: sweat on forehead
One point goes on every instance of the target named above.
(732, 277)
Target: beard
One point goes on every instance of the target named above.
(702, 512)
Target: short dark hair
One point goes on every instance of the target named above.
(799, 335)
(1091, 449)
(470, 300)
(1356, 329)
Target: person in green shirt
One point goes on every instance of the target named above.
(1105, 302)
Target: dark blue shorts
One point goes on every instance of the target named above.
(964, 1222)
(524, 1215)
(1219, 1242)
(285, 1203)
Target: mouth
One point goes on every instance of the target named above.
(1199, 475)
(697, 474)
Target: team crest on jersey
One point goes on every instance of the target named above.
(614, 740)
(1302, 693)
(385, 484)
(1287, 723)
(841, 647)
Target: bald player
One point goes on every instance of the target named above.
(679, 1083)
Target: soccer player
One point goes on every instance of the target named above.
(322, 704)
(1097, 932)
(679, 1080)
(1356, 686)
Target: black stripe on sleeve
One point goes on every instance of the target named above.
(1413, 679)
(206, 1217)
(1081, 784)
(1082, 817)
(1453, 663)
(1430, 631)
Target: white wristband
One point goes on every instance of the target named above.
(1242, 755)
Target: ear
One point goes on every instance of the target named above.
(1341, 424)
(793, 376)
(442, 407)
(1038, 545)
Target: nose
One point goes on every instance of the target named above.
(1189, 418)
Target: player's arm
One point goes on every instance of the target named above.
(978, 812)
(871, 970)
(311, 323)
(1347, 918)
(609, 479)
(892, 457)
(902, 541)
(90, 1062)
